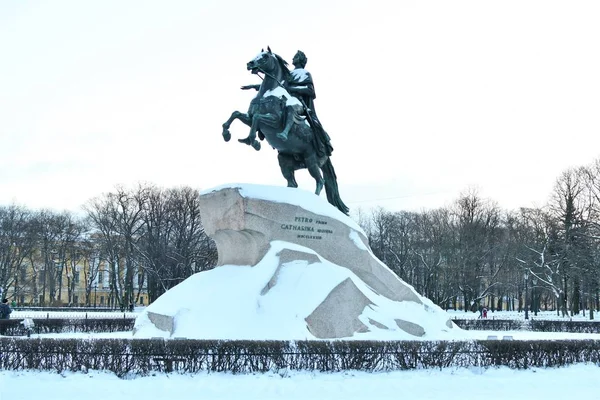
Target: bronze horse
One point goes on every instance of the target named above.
(268, 114)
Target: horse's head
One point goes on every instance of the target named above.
(263, 62)
(268, 63)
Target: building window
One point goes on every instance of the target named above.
(42, 276)
(100, 276)
(22, 300)
(101, 300)
(75, 299)
(142, 300)
(23, 274)
(76, 277)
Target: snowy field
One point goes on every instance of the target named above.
(462, 335)
(542, 315)
(447, 384)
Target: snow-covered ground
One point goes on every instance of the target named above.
(447, 384)
(542, 315)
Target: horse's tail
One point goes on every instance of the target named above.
(331, 187)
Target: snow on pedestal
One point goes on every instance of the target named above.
(291, 266)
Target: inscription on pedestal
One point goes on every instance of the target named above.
(315, 228)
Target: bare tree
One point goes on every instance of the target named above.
(17, 243)
(51, 231)
(433, 247)
(175, 245)
(478, 223)
(568, 206)
(100, 212)
(535, 234)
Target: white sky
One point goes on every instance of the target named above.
(421, 99)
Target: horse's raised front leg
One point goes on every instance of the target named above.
(250, 140)
(235, 115)
(257, 119)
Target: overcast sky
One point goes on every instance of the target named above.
(422, 99)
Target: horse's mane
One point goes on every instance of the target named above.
(284, 66)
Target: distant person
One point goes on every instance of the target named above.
(484, 312)
(5, 309)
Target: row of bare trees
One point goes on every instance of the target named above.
(474, 253)
(146, 238)
(469, 254)
(152, 235)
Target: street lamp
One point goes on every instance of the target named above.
(526, 293)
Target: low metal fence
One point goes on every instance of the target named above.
(25, 327)
(529, 325)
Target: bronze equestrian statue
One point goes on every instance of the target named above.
(283, 113)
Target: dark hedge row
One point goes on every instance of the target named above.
(533, 325)
(69, 309)
(565, 326)
(14, 327)
(489, 324)
(140, 356)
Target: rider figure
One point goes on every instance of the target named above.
(300, 85)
